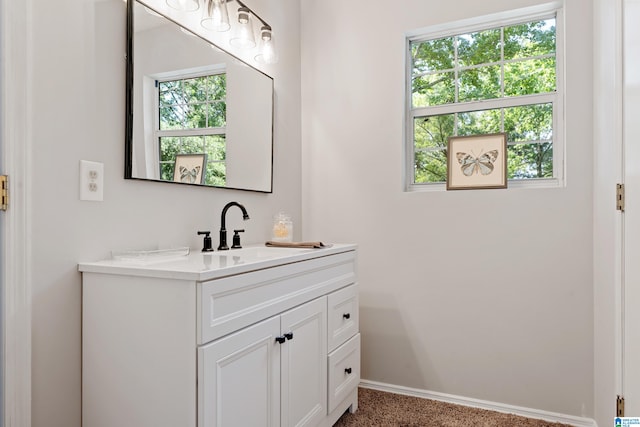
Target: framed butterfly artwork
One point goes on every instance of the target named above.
(190, 168)
(477, 161)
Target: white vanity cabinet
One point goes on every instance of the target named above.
(244, 338)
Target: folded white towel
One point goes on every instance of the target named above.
(308, 245)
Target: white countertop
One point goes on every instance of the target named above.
(201, 266)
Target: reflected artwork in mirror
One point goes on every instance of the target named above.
(187, 97)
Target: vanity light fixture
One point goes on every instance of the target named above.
(184, 5)
(266, 50)
(215, 16)
(243, 37)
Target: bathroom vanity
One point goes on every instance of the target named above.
(242, 338)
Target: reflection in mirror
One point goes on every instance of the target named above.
(196, 114)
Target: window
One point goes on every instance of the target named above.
(489, 77)
(192, 120)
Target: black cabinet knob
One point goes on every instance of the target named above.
(280, 340)
(346, 316)
(347, 370)
(289, 335)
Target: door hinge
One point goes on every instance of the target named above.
(619, 406)
(620, 197)
(4, 193)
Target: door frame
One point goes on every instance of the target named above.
(608, 228)
(15, 143)
(631, 271)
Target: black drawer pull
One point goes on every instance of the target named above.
(346, 316)
(348, 370)
(280, 340)
(289, 335)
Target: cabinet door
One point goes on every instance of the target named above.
(304, 364)
(239, 378)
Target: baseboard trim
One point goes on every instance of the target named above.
(482, 404)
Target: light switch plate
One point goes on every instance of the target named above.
(91, 181)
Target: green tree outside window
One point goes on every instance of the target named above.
(192, 120)
(505, 67)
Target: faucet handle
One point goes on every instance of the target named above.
(207, 246)
(236, 239)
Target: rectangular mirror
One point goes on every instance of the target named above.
(196, 114)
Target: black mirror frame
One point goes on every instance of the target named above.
(128, 149)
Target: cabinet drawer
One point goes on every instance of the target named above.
(344, 371)
(343, 315)
(229, 304)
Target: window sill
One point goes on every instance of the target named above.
(513, 184)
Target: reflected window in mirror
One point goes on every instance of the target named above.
(192, 120)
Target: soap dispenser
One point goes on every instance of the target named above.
(207, 246)
(282, 228)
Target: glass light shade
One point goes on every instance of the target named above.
(215, 16)
(184, 5)
(243, 36)
(267, 50)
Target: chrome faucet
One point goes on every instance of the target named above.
(223, 228)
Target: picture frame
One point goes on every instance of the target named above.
(477, 162)
(190, 168)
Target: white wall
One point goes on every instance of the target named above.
(483, 294)
(77, 94)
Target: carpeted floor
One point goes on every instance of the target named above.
(381, 409)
